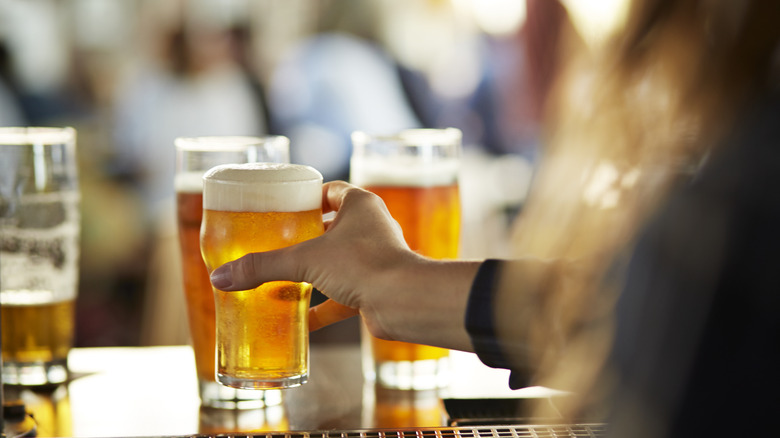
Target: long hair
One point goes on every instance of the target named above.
(626, 123)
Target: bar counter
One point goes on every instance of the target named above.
(152, 391)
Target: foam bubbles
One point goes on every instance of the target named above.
(32, 136)
(188, 182)
(403, 171)
(262, 187)
(409, 158)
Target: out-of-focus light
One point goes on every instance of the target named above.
(606, 184)
(596, 20)
(496, 17)
(455, 73)
(36, 35)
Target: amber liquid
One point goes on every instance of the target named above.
(397, 408)
(430, 220)
(242, 422)
(262, 334)
(35, 333)
(197, 286)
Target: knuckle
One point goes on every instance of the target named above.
(248, 268)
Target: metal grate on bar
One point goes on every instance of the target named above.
(518, 431)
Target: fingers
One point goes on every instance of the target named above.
(253, 269)
(335, 194)
(327, 313)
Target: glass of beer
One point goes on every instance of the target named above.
(194, 156)
(262, 334)
(39, 252)
(415, 172)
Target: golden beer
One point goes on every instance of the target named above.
(194, 156)
(39, 253)
(430, 220)
(262, 334)
(415, 172)
(197, 286)
(36, 333)
(398, 408)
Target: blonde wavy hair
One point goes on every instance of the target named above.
(625, 123)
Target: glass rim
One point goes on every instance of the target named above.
(214, 176)
(228, 142)
(30, 135)
(437, 136)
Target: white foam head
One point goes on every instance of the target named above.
(409, 158)
(262, 187)
(188, 182)
(403, 171)
(34, 135)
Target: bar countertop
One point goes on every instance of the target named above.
(145, 391)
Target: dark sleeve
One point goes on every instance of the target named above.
(480, 322)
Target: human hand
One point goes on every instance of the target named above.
(346, 263)
(364, 266)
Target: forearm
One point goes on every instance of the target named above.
(424, 301)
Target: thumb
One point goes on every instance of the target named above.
(254, 269)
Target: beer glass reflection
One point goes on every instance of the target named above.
(262, 334)
(194, 156)
(388, 408)
(223, 421)
(39, 252)
(49, 407)
(415, 172)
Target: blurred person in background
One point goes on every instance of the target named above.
(193, 86)
(336, 81)
(644, 278)
(195, 82)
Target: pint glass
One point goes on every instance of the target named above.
(194, 156)
(39, 252)
(415, 172)
(262, 334)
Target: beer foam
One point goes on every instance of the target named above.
(262, 187)
(403, 171)
(34, 135)
(409, 158)
(188, 182)
(232, 143)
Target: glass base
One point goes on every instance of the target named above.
(215, 395)
(416, 375)
(287, 382)
(35, 373)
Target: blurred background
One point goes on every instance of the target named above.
(132, 75)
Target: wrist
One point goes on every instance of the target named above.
(424, 301)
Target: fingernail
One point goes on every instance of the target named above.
(222, 278)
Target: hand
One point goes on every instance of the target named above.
(361, 240)
(363, 265)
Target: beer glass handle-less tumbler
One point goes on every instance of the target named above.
(415, 172)
(262, 333)
(39, 252)
(194, 156)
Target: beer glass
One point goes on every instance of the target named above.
(262, 334)
(194, 156)
(415, 172)
(39, 252)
